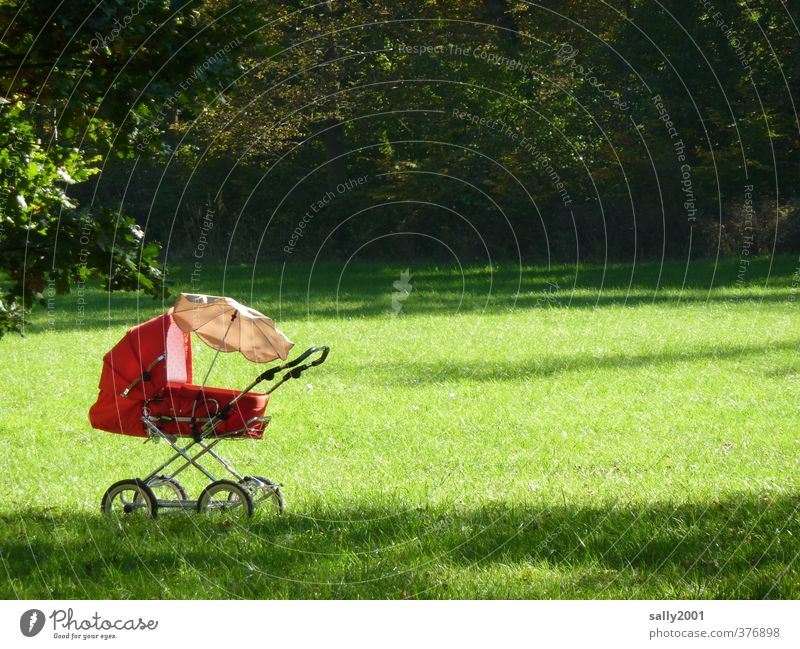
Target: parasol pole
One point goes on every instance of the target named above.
(219, 349)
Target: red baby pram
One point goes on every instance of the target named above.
(146, 390)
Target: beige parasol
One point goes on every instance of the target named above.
(228, 326)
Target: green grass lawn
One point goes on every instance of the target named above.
(537, 433)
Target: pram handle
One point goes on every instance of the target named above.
(295, 370)
(295, 373)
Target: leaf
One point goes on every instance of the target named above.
(65, 176)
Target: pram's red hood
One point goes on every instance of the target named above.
(125, 363)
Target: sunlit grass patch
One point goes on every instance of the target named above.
(606, 438)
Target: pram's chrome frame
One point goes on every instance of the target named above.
(155, 433)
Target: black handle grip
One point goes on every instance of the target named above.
(273, 371)
(325, 351)
(295, 370)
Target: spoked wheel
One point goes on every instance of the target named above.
(129, 499)
(166, 488)
(262, 490)
(226, 499)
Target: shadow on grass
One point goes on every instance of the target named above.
(743, 547)
(366, 289)
(420, 372)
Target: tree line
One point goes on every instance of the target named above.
(580, 130)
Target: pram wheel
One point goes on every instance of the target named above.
(225, 498)
(129, 498)
(166, 488)
(261, 489)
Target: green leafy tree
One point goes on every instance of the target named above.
(82, 84)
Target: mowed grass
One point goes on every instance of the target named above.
(618, 432)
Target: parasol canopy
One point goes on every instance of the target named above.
(228, 326)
